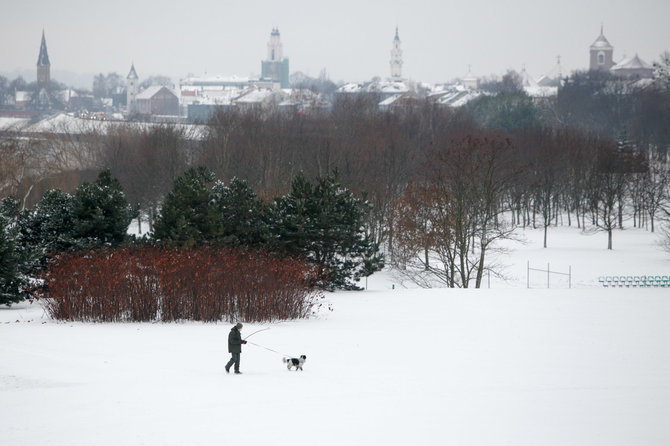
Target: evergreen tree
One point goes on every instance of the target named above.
(48, 228)
(241, 213)
(504, 111)
(325, 223)
(11, 280)
(100, 212)
(188, 216)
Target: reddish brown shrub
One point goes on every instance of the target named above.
(205, 284)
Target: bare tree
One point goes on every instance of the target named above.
(609, 181)
(464, 189)
(655, 188)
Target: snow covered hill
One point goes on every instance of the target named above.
(393, 365)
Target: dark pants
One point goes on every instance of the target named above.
(235, 359)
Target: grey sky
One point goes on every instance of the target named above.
(350, 39)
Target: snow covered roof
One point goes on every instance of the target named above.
(254, 97)
(631, 63)
(527, 80)
(401, 100)
(63, 123)
(454, 95)
(150, 92)
(350, 88)
(8, 123)
(601, 42)
(215, 81)
(22, 96)
(222, 96)
(553, 77)
(385, 87)
(538, 91)
(390, 100)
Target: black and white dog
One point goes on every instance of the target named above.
(295, 362)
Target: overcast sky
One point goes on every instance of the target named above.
(351, 39)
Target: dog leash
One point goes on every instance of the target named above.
(269, 349)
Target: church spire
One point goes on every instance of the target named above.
(43, 58)
(43, 64)
(131, 90)
(396, 58)
(132, 74)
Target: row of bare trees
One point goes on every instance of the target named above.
(430, 173)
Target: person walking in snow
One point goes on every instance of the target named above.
(235, 342)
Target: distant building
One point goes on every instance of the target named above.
(396, 58)
(453, 96)
(554, 77)
(43, 66)
(194, 83)
(43, 99)
(275, 67)
(633, 67)
(601, 54)
(157, 100)
(470, 80)
(259, 98)
(377, 89)
(602, 59)
(22, 99)
(404, 101)
(131, 90)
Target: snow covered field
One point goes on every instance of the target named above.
(504, 365)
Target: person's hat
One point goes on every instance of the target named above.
(238, 325)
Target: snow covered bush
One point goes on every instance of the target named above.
(170, 284)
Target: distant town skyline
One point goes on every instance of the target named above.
(352, 41)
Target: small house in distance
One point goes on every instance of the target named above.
(633, 67)
(157, 100)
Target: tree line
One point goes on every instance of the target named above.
(442, 184)
(311, 238)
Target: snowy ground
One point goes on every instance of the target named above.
(389, 366)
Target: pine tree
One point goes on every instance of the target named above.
(188, 216)
(11, 280)
(325, 223)
(48, 228)
(241, 213)
(100, 212)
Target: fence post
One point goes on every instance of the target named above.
(548, 274)
(569, 276)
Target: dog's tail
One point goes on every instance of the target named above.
(284, 360)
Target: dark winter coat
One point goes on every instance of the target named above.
(235, 341)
